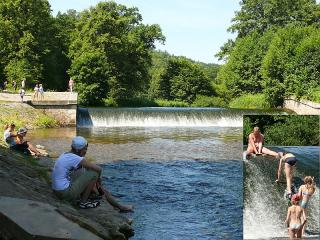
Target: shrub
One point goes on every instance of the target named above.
(138, 102)
(45, 121)
(313, 95)
(166, 103)
(206, 101)
(250, 101)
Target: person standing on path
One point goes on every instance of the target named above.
(14, 85)
(36, 92)
(23, 83)
(41, 92)
(21, 93)
(71, 83)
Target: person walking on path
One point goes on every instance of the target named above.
(72, 184)
(21, 93)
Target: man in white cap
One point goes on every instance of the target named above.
(71, 183)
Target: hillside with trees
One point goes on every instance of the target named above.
(276, 53)
(110, 54)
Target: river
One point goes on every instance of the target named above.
(181, 168)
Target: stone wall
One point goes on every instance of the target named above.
(61, 105)
(302, 107)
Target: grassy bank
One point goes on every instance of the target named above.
(250, 101)
(23, 115)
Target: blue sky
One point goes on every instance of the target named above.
(195, 29)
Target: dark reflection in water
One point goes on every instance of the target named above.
(180, 199)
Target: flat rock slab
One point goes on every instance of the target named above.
(26, 219)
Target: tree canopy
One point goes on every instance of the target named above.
(110, 52)
(276, 51)
(292, 130)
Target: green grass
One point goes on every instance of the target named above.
(167, 103)
(23, 116)
(250, 101)
(314, 95)
(205, 101)
(45, 121)
(144, 102)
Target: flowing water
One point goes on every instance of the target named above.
(179, 167)
(265, 207)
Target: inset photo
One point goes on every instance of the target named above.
(281, 176)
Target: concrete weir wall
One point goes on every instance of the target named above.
(61, 105)
(302, 107)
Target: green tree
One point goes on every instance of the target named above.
(115, 34)
(280, 130)
(295, 131)
(183, 81)
(24, 37)
(241, 74)
(159, 64)
(278, 66)
(263, 15)
(56, 63)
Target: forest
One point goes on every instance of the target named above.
(110, 54)
(284, 130)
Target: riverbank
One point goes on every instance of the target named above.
(24, 115)
(26, 178)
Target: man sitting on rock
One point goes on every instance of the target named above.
(255, 145)
(74, 178)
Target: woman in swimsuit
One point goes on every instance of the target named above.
(295, 218)
(290, 162)
(305, 193)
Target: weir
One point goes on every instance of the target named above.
(265, 208)
(159, 117)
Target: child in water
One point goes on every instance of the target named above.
(305, 193)
(296, 219)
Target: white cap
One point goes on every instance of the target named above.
(79, 143)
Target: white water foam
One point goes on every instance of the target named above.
(171, 121)
(261, 219)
